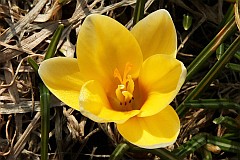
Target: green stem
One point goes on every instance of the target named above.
(139, 11)
(229, 53)
(45, 114)
(45, 96)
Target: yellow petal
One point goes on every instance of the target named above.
(156, 131)
(156, 34)
(160, 79)
(62, 77)
(95, 105)
(103, 45)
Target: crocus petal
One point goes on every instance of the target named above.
(103, 45)
(155, 131)
(156, 34)
(160, 80)
(62, 77)
(94, 104)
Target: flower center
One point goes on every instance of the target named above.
(124, 91)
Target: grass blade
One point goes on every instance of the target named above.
(192, 145)
(229, 14)
(237, 55)
(162, 153)
(227, 122)
(187, 21)
(234, 67)
(119, 152)
(196, 64)
(206, 155)
(224, 144)
(211, 74)
(234, 135)
(212, 104)
(204, 138)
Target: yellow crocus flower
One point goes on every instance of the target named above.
(125, 77)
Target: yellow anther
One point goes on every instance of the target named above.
(130, 84)
(128, 96)
(124, 91)
(119, 94)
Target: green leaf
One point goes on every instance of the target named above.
(54, 42)
(33, 64)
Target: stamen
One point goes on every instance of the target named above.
(127, 96)
(130, 84)
(119, 94)
(124, 91)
